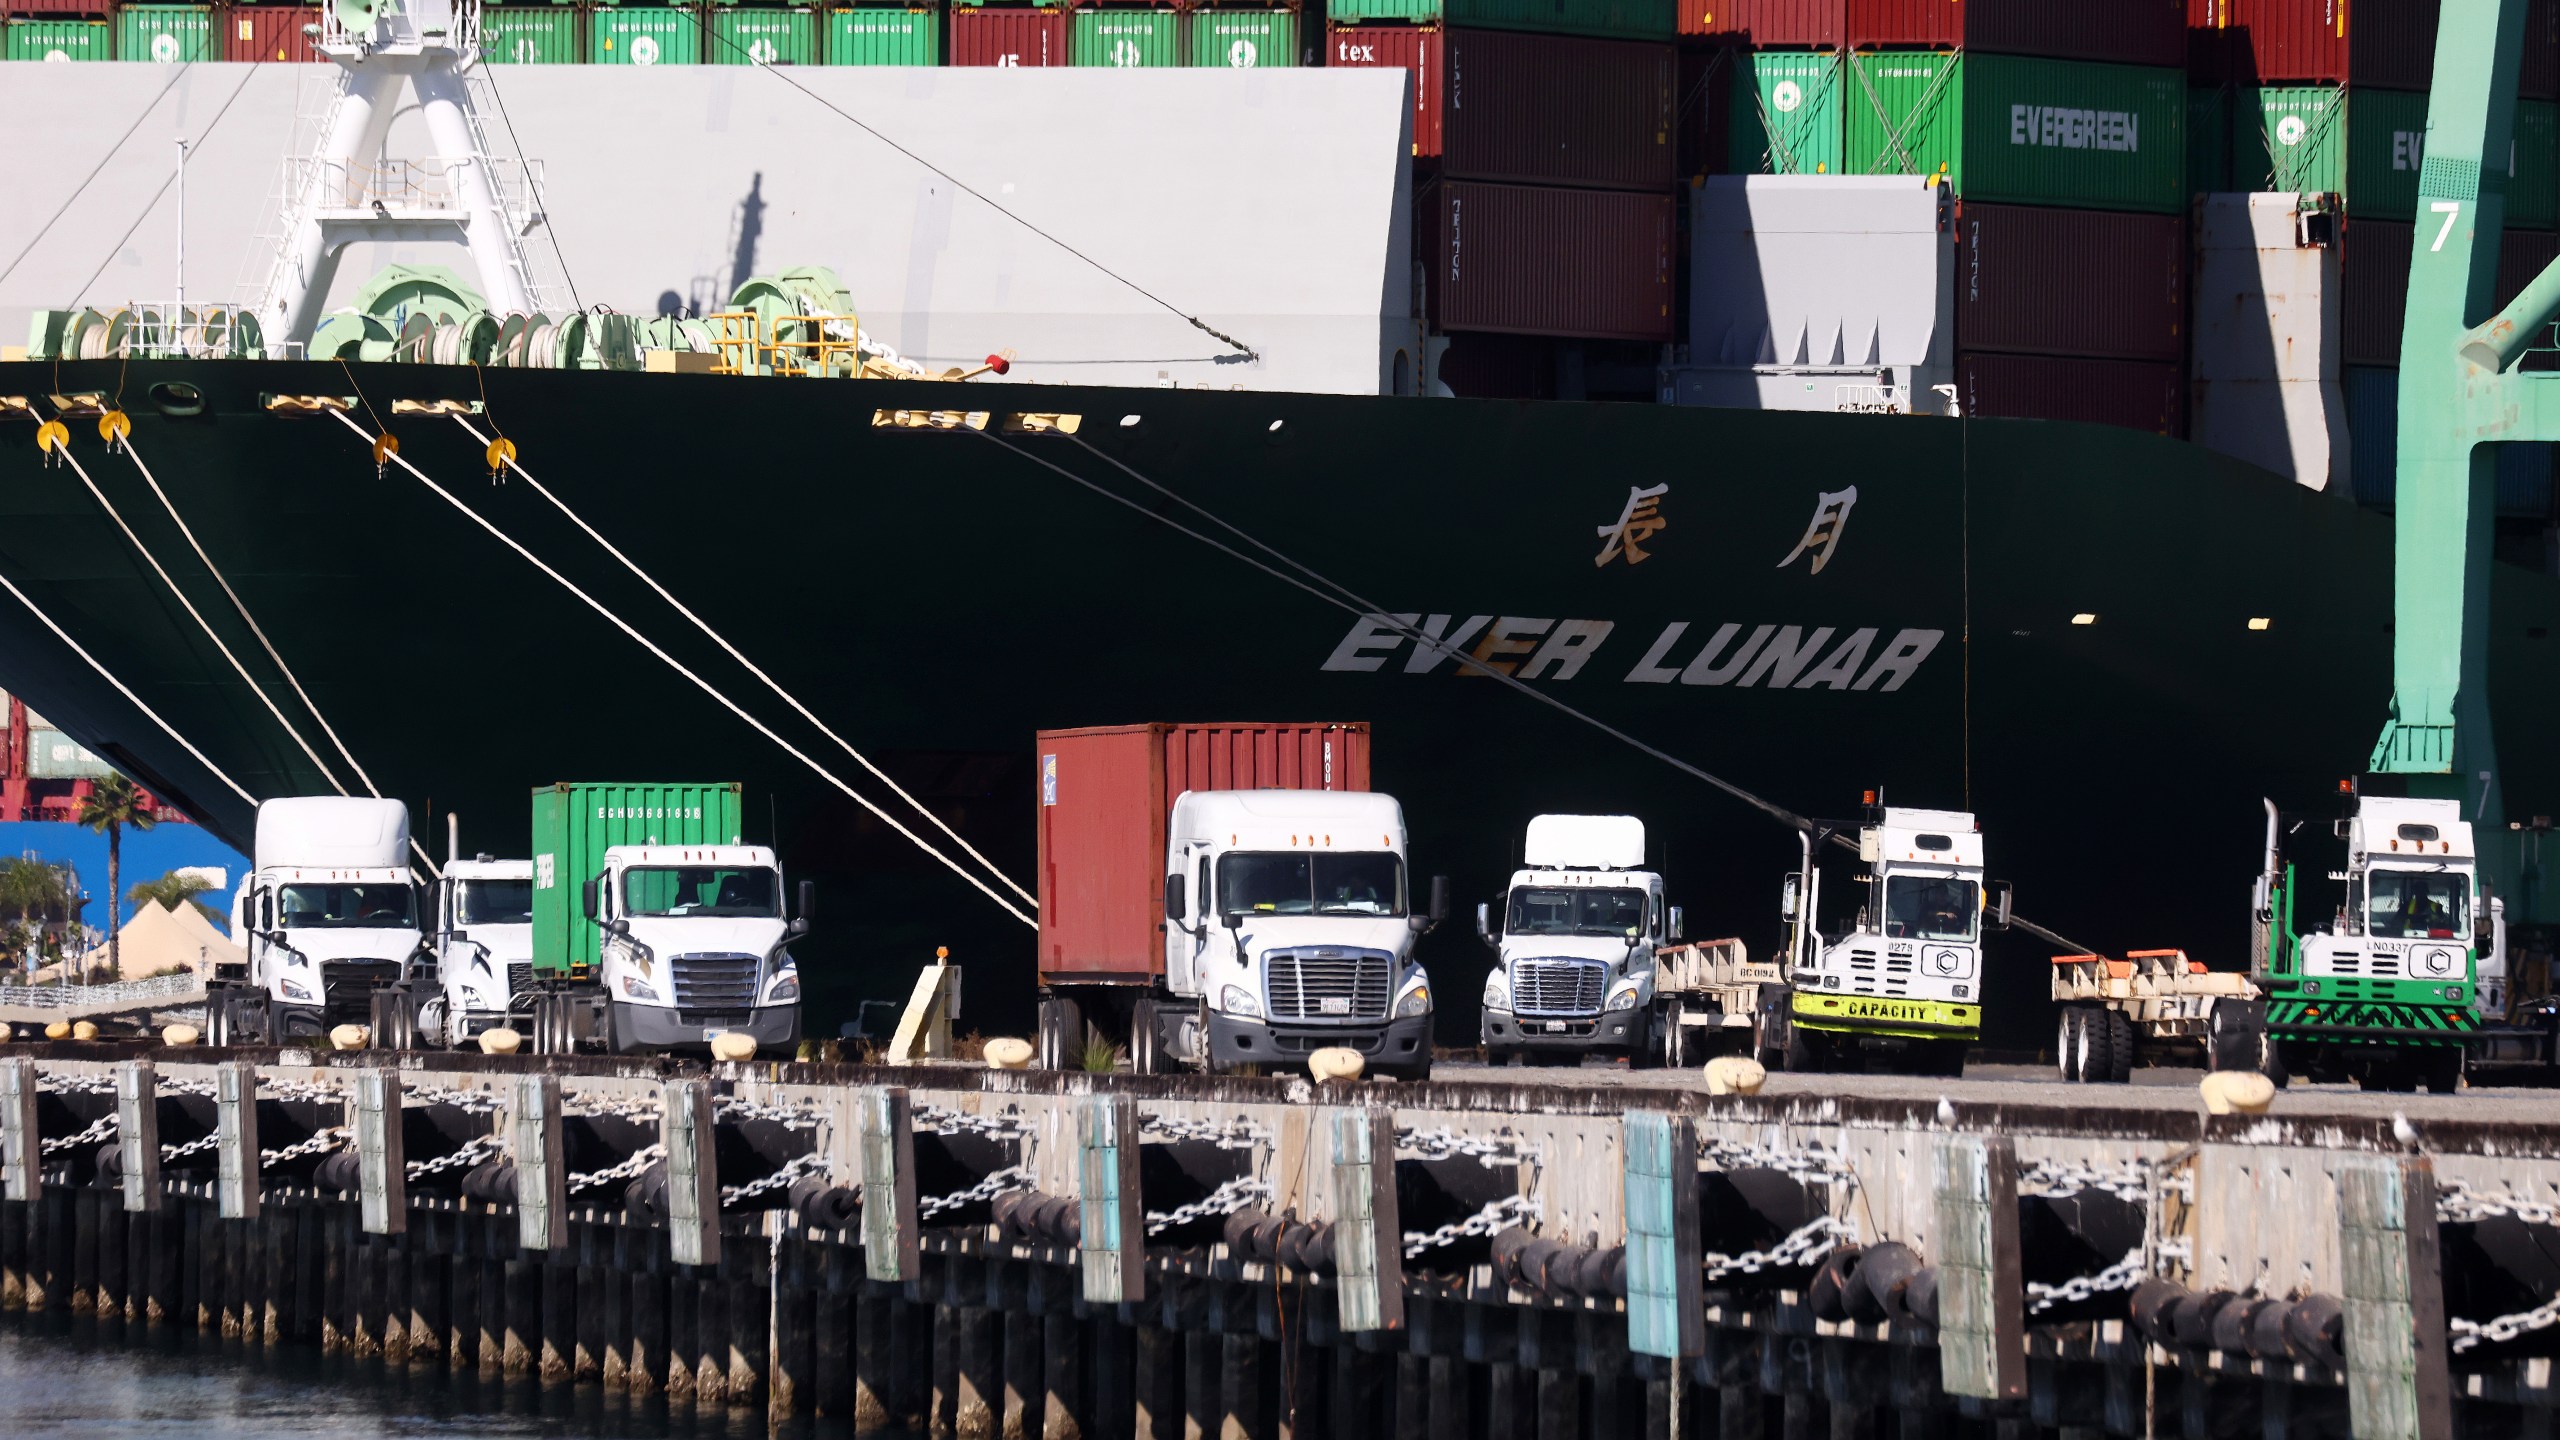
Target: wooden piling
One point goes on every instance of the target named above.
(1363, 1398)
(462, 1291)
(282, 1225)
(684, 1353)
(495, 1316)
(1159, 1383)
(559, 1321)
(310, 1271)
(613, 1299)
(114, 1274)
(1065, 1408)
(791, 1346)
(586, 1361)
(1203, 1357)
(13, 1255)
(1246, 1409)
(978, 1404)
(711, 1335)
(842, 1322)
(430, 1287)
(747, 1268)
(1024, 1375)
(364, 1260)
(646, 1371)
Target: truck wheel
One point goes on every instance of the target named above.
(221, 1019)
(2092, 1056)
(1640, 1054)
(2440, 1069)
(1061, 1034)
(1804, 1051)
(2119, 1047)
(1769, 1027)
(1677, 1051)
(1146, 1039)
(2068, 1041)
(2272, 1059)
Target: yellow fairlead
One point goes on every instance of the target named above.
(113, 426)
(53, 437)
(502, 453)
(385, 445)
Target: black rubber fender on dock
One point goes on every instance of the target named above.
(2316, 1327)
(1883, 1270)
(1828, 1296)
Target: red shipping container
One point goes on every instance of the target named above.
(1008, 37)
(2539, 78)
(1415, 49)
(268, 32)
(2373, 290)
(1105, 795)
(1528, 260)
(1767, 24)
(2386, 43)
(2135, 394)
(2120, 32)
(54, 7)
(2092, 283)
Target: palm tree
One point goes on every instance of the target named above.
(32, 895)
(112, 804)
(173, 890)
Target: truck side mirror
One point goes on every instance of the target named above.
(617, 926)
(1174, 908)
(1999, 916)
(1788, 896)
(808, 898)
(1484, 925)
(587, 898)
(1679, 925)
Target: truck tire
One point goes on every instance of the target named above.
(2440, 1069)
(2067, 1042)
(1640, 1054)
(1061, 1034)
(1769, 1028)
(221, 1019)
(2119, 1047)
(1803, 1050)
(2095, 1055)
(1146, 1039)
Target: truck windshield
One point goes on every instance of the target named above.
(1360, 882)
(374, 905)
(700, 890)
(1544, 910)
(2417, 905)
(493, 902)
(1931, 907)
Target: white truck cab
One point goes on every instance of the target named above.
(1908, 966)
(328, 916)
(2410, 914)
(1577, 933)
(1290, 927)
(484, 948)
(695, 944)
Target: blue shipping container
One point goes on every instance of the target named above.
(2373, 440)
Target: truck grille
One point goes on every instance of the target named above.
(1558, 987)
(1328, 982)
(519, 976)
(715, 982)
(347, 986)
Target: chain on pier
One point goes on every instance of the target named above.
(1445, 1144)
(1012, 1177)
(2125, 1274)
(789, 1117)
(1238, 1134)
(630, 1168)
(320, 1143)
(1486, 1223)
(1816, 1161)
(935, 1120)
(1806, 1244)
(782, 1179)
(99, 1129)
(469, 1155)
(1227, 1199)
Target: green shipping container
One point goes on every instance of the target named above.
(644, 35)
(529, 34)
(573, 825)
(2362, 145)
(1611, 19)
(884, 37)
(1786, 113)
(2021, 131)
(57, 40)
(2208, 139)
(774, 37)
(1244, 39)
(165, 34)
(1126, 39)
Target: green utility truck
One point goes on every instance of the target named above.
(2384, 993)
(654, 927)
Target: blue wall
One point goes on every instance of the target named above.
(148, 854)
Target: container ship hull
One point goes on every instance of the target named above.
(2109, 645)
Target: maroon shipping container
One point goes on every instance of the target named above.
(2121, 32)
(1767, 24)
(1557, 109)
(2093, 283)
(2136, 394)
(2385, 43)
(2373, 290)
(268, 32)
(1528, 260)
(1105, 795)
(54, 7)
(1008, 37)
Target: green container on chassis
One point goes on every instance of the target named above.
(1786, 113)
(644, 35)
(529, 34)
(57, 40)
(2021, 131)
(882, 36)
(773, 36)
(2363, 146)
(1244, 39)
(1126, 39)
(165, 34)
(573, 825)
(1607, 19)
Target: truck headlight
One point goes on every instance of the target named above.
(786, 987)
(635, 988)
(1416, 1001)
(1497, 991)
(1623, 1000)
(1237, 1000)
(293, 990)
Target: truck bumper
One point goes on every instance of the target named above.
(652, 1027)
(1405, 1041)
(1610, 1029)
(1878, 1015)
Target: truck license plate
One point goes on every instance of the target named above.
(1555, 1027)
(1335, 1005)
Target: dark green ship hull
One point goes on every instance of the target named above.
(938, 595)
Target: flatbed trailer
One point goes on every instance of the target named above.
(2149, 1008)
(1708, 1000)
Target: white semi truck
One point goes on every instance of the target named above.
(328, 917)
(1577, 933)
(694, 944)
(483, 948)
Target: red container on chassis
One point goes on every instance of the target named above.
(2118, 32)
(1008, 37)
(271, 33)
(2386, 43)
(2136, 394)
(2097, 284)
(1531, 260)
(1105, 795)
(1766, 24)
